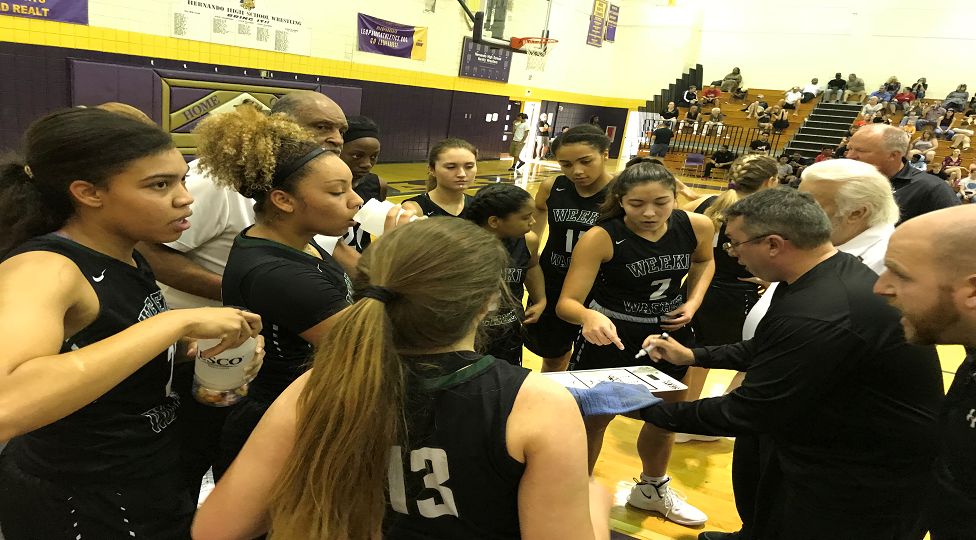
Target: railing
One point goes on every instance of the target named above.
(693, 139)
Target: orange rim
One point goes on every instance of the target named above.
(518, 43)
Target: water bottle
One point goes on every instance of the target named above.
(220, 380)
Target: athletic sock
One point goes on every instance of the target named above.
(654, 480)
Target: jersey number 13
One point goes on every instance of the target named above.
(433, 462)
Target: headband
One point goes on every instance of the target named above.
(282, 172)
(360, 132)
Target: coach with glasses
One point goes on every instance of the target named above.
(843, 408)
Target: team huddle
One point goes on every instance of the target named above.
(387, 397)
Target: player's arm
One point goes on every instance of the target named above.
(383, 189)
(556, 497)
(413, 207)
(541, 214)
(39, 293)
(593, 249)
(699, 274)
(535, 282)
(691, 205)
(177, 270)
(238, 507)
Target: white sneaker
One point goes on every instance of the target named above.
(688, 437)
(667, 502)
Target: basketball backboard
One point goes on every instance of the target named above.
(496, 22)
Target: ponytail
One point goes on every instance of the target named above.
(746, 175)
(64, 146)
(351, 412)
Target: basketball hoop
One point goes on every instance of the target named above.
(537, 50)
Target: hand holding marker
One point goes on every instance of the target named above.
(647, 351)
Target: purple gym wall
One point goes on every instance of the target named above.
(36, 80)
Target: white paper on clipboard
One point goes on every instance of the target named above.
(648, 376)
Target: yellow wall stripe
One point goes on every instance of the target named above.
(74, 36)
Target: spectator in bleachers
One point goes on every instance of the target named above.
(920, 87)
(689, 97)
(765, 120)
(756, 107)
(835, 89)
(671, 113)
(863, 119)
(783, 168)
(709, 96)
(915, 108)
(957, 99)
(715, 118)
(825, 154)
(953, 160)
(760, 145)
(732, 81)
(720, 159)
(918, 161)
(872, 107)
(855, 89)
(963, 132)
(944, 128)
(738, 93)
(937, 170)
(841, 151)
(793, 98)
(885, 148)
(902, 100)
(692, 118)
(780, 118)
(926, 145)
(892, 86)
(811, 91)
(661, 139)
(931, 116)
(882, 93)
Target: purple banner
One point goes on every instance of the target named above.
(384, 37)
(612, 17)
(598, 22)
(70, 11)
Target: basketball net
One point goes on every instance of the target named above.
(536, 49)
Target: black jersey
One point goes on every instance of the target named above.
(727, 269)
(503, 328)
(456, 479)
(292, 291)
(431, 209)
(125, 434)
(367, 188)
(643, 279)
(570, 215)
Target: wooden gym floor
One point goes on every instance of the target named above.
(702, 471)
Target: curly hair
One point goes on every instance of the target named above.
(242, 149)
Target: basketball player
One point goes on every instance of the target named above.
(360, 152)
(452, 168)
(733, 290)
(507, 212)
(633, 265)
(86, 376)
(569, 204)
(275, 268)
(493, 451)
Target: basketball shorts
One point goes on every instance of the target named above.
(550, 336)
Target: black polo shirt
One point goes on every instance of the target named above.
(918, 192)
(849, 406)
(662, 135)
(723, 156)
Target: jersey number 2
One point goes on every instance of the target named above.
(662, 288)
(434, 462)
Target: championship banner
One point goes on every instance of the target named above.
(598, 21)
(612, 17)
(392, 39)
(69, 11)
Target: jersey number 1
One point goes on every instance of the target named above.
(571, 238)
(433, 461)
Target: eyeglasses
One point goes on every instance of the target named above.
(729, 246)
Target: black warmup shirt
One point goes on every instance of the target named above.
(431, 209)
(918, 192)
(723, 156)
(662, 135)
(644, 278)
(124, 435)
(292, 291)
(367, 188)
(955, 469)
(570, 215)
(759, 145)
(849, 405)
(727, 268)
(456, 479)
(504, 327)
(838, 84)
